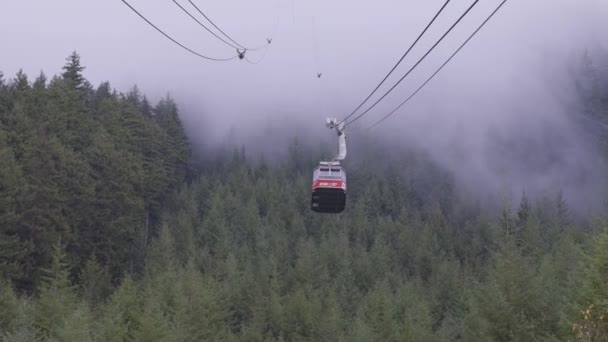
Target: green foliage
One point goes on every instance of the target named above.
(592, 319)
(56, 300)
(153, 325)
(9, 308)
(415, 275)
(89, 167)
(76, 326)
(21, 322)
(13, 250)
(122, 315)
(72, 71)
(102, 240)
(95, 282)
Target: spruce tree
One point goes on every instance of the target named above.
(9, 308)
(95, 282)
(21, 84)
(592, 323)
(72, 71)
(57, 299)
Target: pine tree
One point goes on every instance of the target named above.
(21, 84)
(14, 247)
(593, 325)
(56, 300)
(378, 311)
(515, 301)
(4, 96)
(300, 316)
(417, 325)
(524, 210)
(162, 254)
(95, 282)
(72, 72)
(123, 313)
(152, 326)
(24, 331)
(134, 97)
(360, 332)
(146, 108)
(202, 311)
(562, 213)
(40, 83)
(76, 326)
(166, 114)
(9, 309)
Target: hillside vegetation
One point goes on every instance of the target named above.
(107, 234)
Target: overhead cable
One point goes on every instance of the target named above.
(441, 67)
(175, 41)
(399, 61)
(415, 65)
(214, 25)
(203, 25)
(222, 32)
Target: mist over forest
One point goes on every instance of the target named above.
(150, 195)
(537, 139)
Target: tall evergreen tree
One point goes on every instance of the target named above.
(56, 299)
(21, 83)
(72, 71)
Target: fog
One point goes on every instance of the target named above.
(499, 116)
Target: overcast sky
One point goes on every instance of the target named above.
(514, 70)
(356, 44)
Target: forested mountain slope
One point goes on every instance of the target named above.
(102, 240)
(83, 166)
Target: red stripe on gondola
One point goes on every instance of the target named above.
(328, 184)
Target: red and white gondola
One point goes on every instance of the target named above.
(329, 178)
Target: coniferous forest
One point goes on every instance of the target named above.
(108, 232)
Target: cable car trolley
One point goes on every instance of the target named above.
(329, 178)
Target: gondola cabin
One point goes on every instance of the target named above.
(328, 188)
